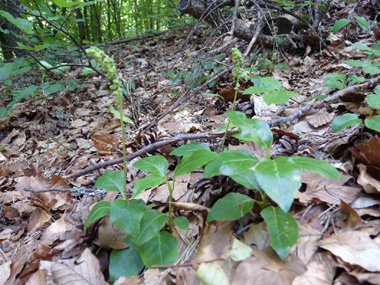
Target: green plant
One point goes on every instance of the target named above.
(349, 119)
(341, 23)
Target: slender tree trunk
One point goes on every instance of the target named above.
(81, 28)
(109, 20)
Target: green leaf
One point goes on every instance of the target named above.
(111, 181)
(354, 79)
(156, 164)
(373, 123)
(20, 23)
(4, 73)
(117, 115)
(125, 262)
(230, 162)
(212, 273)
(160, 250)
(182, 223)
(361, 47)
(335, 80)
(354, 62)
(317, 166)
(231, 207)
(362, 23)
(151, 223)
(188, 149)
(344, 121)
(126, 215)
(371, 69)
(189, 163)
(239, 251)
(280, 178)
(373, 100)
(282, 228)
(257, 90)
(270, 82)
(247, 179)
(65, 4)
(101, 209)
(150, 181)
(340, 24)
(251, 129)
(277, 97)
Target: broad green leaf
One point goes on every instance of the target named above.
(362, 23)
(3, 112)
(111, 181)
(377, 90)
(151, 223)
(211, 273)
(280, 178)
(125, 262)
(189, 163)
(251, 129)
(239, 251)
(361, 47)
(230, 162)
(270, 82)
(160, 250)
(156, 164)
(181, 222)
(126, 215)
(335, 80)
(371, 69)
(98, 211)
(282, 228)
(354, 62)
(117, 115)
(354, 79)
(276, 97)
(373, 123)
(188, 149)
(65, 4)
(340, 24)
(231, 207)
(21, 46)
(317, 166)
(257, 90)
(344, 121)
(150, 181)
(247, 179)
(373, 100)
(20, 23)
(4, 73)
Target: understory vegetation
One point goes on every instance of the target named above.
(189, 142)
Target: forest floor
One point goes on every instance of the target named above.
(48, 140)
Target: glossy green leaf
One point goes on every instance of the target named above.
(230, 162)
(151, 223)
(282, 228)
(317, 166)
(188, 149)
(270, 82)
(344, 121)
(257, 90)
(111, 181)
(211, 273)
(117, 115)
(160, 250)
(231, 207)
(373, 123)
(126, 215)
(181, 222)
(362, 23)
(125, 262)
(197, 159)
(239, 251)
(340, 24)
(156, 164)
(280, 178)
(150, 181)
(251, 129)
(247, 179)
(101, 209)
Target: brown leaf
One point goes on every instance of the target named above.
(355, 248)
(320, 118)
(105, 142)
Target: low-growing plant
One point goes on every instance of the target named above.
(276, 178)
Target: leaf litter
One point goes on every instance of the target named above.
(47, 142)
